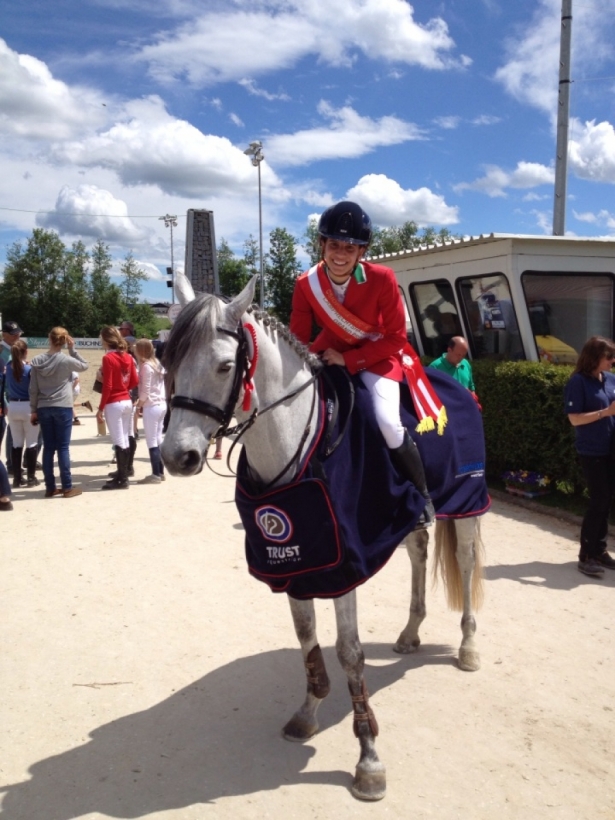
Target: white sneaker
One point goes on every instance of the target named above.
(150, 479)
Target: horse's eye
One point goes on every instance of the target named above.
(224, 367)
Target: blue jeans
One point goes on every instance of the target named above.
(56, 426)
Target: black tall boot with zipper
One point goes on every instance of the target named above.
(120, 480)
(18, 479)
(409, 463)
(30, 459)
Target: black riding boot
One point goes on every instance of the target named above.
(409, 463)
(132, 449)
(18, 479)
(120, 481)
(30, 459)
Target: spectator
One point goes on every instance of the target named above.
(76, 391)
(127, 331)
(10, 333)
(152, 398)
(18, 412)
(455, 363)
(119, 376)
(51, 402)
(590, 405)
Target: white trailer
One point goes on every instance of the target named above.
(511, 296)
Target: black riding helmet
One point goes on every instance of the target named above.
(346, 222)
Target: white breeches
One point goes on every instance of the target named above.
(18, 413)
(118, 416)
(385, 398)
(153, 417)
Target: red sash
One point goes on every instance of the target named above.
(330, 313)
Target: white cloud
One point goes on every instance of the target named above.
(530, 73)
(253, 89)
(348, 135)
(91, 211)
(496, 179)
(228, 45)
(591, 153)
(33, 105)
(388, 203)
(236, 120)
(603, 217)
(486, 119)
(448, 123)
(150, 147)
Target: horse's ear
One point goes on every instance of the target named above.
(183, 289)
(235, 309)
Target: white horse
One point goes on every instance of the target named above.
(206, 371)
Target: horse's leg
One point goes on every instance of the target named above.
(467, 533)
(303, 723)
(416, 544)
(370, 775)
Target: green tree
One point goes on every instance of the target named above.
(233, 273)
(76, 306)
(32, 292)
(107, 306)
(140, 314)
(312, 242)
(252, 257)
(281, 272)
(133, 277)
(404, 237)
(144, 319)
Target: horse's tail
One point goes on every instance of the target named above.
(447, 566)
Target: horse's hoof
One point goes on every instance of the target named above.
(469, 660)
(404, 648)
(298, 730)
(369, 785)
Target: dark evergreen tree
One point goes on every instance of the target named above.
(106, 298)
(281, 272)
(233, 273)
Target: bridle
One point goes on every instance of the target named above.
(244, 371)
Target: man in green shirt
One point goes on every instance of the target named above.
(454, 362)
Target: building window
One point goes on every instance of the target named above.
(493, 331)
(434, 304)
(565, 309)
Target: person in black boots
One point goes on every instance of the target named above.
(119, 376)
(153, 400)
(358, 308)
(24, 432)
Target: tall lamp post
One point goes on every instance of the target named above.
(171, 222)
(255, 152)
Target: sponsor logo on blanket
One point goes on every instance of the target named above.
(274, 523)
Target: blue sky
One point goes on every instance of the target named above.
(116, 112)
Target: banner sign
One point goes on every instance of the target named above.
(36, 342)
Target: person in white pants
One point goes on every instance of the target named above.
(153, 400)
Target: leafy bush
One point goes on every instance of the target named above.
(525, 424)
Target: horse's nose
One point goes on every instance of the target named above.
(190, 462)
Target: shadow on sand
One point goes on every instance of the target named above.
(218, 737)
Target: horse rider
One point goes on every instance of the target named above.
(358, 308)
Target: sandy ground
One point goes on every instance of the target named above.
(145, 674)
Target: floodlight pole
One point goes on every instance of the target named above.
(255, 152)
(563, 117)
(171, 222)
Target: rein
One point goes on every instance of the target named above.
(244, 370)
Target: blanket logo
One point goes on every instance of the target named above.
(274, 524)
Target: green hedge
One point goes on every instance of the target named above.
(525, 424)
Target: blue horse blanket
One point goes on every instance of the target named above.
(340, 521)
